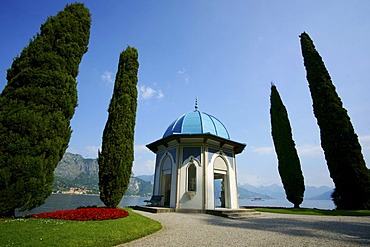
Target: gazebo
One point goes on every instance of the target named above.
(195, 165)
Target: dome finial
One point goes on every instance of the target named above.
(196, 104)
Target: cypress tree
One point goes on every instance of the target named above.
(117, 152)
(288, 161)
(36, 107)
(338, 139)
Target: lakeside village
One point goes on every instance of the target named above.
(75, 191)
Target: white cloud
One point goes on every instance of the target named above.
(304, 150)
(184, 73)
(246, 177)
(310, 150)
(141, 149)
(365, 142)
(72, 150)
(86, 152)
(107, 77)
(262, 150)
(91, 151)
(160, 94)
(365, 138)
(144, 162)
(147, 93)
(145, 167)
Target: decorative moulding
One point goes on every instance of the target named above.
(190, 194)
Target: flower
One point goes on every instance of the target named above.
(83, 214)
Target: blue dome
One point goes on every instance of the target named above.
(197, 122)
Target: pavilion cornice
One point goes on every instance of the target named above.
(237, 147)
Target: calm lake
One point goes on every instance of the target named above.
(64, 201)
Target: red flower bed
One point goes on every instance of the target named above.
(83, 214)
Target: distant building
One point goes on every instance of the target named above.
(194, 153)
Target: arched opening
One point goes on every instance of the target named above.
(192, 178)
(221, 183)
(166, 173)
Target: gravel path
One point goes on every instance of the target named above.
(268, 229)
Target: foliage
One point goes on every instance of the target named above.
(83, 214)
(36, 107)
(289, 165)
(117, 153)
(338, 139)
(46, 232)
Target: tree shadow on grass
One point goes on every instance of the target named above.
(339, 230)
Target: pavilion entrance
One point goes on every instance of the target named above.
(166, 189)
(221, 183)
(219, 192)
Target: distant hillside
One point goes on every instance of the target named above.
(277, 191)
(323, 196)
(75, 174)
(243, 193)
(148, 178)
(318, 193)
(272, 191)
(247, 191)
(246, 194)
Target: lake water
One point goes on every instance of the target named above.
(65, 201)
(320, 204)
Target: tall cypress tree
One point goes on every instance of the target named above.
(117, 153)
(289, 165)
(338, 139)
(36, 107)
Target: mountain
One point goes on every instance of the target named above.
(139, 187)
(272, 191)
(148, 178)
(243, 193)
(318, 192)
(75, 174)
(278, 192)
(324, 196)
(247, 191)
(246, 194)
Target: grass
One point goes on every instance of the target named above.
(310, 211)
(46, 232)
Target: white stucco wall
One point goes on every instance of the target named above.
(170, 161)
(185, 200)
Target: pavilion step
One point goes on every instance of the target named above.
(235, 214)
(242, 214)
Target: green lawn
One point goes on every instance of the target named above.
(310, 211)
(45, 232)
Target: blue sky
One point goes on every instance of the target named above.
(225, 53)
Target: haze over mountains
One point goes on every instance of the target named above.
(270, 192)
(81, 174)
